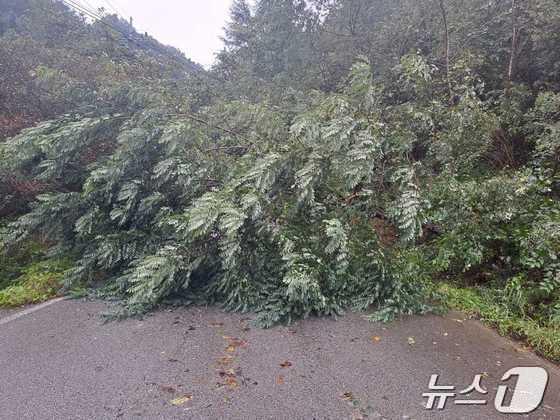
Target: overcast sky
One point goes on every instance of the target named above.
(193, 26)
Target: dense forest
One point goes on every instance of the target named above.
(396, 156)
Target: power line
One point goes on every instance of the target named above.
(97, 18)
(72, 4)
(191, 116)
(181, 62)
(193, 70)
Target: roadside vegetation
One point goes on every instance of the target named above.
(39, 282)
(339, 155)
(29, 275)
(493, 307)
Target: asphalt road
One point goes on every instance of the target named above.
(62, 362)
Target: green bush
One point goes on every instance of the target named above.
(39, 282)
(12, 265)
(493, 308)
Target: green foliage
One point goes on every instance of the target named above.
(407, 209)
(146, 216)
(39, 282)
(492, 307)
(12, 265)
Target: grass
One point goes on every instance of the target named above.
(39, 282)
(14, 266)
(544, 338)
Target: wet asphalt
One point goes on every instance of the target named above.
(63, 362)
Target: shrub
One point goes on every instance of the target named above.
(39, 282)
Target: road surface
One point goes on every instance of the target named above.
(63, 362)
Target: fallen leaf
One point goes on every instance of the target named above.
(231, 382)
(347, 396)
(233, 343)
(411, 341)
(230, 377)
(286, 364)
(181, 400)
(280, 380)
(375, 339)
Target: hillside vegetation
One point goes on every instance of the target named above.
(339, 154)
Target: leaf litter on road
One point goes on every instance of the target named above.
(179, 401)
(231, 377)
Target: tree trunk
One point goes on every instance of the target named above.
(515, 34)
(446, 43)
